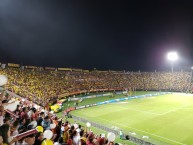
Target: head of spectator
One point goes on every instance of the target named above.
(25, 109)
(90, 138)
(5, 133)
(6, 121)
(42, 114)
(46, 119)
(46, 123)
(101, 140)
(22, 124)
(110, 143)
(38, 138)
(14, 127)
(40, 118)
(29, 140)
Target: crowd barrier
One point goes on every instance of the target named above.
(133, 97)
(91, 96)
(116, 132)
(121, 99)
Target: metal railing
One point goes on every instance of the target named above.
(116, 132)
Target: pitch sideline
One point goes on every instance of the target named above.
(144, 132)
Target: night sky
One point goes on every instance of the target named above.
(116, 35)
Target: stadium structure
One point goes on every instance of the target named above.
(138, 104)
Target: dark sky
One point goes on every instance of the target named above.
(117, 35)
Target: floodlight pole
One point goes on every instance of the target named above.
(172, 56)
(172, 66)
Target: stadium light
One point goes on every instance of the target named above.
(172, 56)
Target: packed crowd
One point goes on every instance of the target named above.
(43, 86)
(35, 126)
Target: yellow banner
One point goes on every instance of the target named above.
(31, 67)
(65, 69)
(13, 65)
(74, 69)
(85, 71)
(50, 68)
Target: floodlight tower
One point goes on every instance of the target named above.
(172, 56)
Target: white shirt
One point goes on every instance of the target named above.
(10, 139)
(1, 120)
(76, 140)
(30, 113)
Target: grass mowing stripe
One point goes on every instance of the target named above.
(121, 124)
(167, 118)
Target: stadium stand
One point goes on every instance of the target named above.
(43, 86)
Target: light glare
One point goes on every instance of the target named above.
(172, 56)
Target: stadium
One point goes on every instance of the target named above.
(147, 107)
(96, 72)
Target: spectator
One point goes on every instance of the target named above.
(29, 140)
(46, 123)
(82, 141)
(40, 119)
(38, 138)
(22, 125)
(5, 133)
(24, 113)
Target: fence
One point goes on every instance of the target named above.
(116, 132)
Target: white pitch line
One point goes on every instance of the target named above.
(147, 112)
(176, 109)
(121, 124)
(158, 114)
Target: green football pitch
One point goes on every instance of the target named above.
(165, 119)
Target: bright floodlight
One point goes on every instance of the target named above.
(172, 56)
